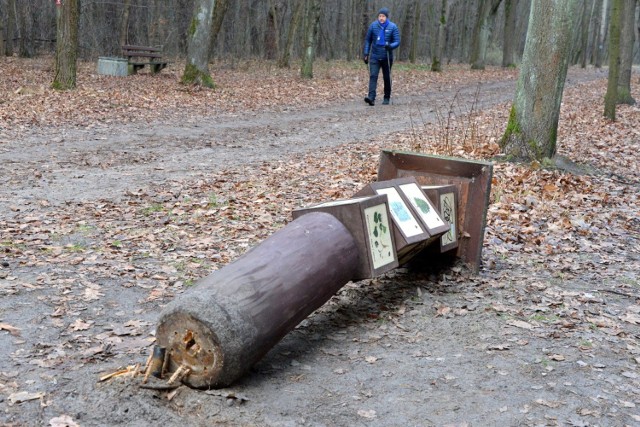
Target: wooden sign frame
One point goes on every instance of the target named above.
(473, 179)
(368, 220)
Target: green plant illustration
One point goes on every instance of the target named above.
(422, 205)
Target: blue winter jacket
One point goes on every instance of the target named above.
(391, 35)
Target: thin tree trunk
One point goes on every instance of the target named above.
(67, 19)
(533, 123)
(438, 48)
(124, 23)
(11, 27)
(285, 55)
(586, 14)
(509, 46)
(25, 45)
(219, 13)
(197, 67)
(615, 26)
(2, 36)
(415, 36)
(627, 40)
(604, 18)
(272, 35)
(312, 23)
(482, 29)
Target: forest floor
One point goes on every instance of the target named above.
(116, 197)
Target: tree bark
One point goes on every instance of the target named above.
(604, 23)
(124, 22)
(197, 67)
(67, 18)
(587, 8)
(219, 13)
(482, 29)
(25, 45)
(509, 43)
(533, 123)
(272, 35)
(615, 25)
(627, 40)
(415, 35)
(11, 27)
(438, 47)
(312, 23)
(2, 36)
(285, 55)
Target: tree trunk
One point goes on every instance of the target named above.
(11, 27)
(482, 29)
(627, 40)
(604, 18)
(615, 27)
(67, 18)
(415, 36)
(272, 35)
(586, 14)
(25, 45)
(124, 23)
(196, 70)
(312, 23)
(438, 47)
(533, 123)
(285, 55)
(509, 44)
(219, 13)
(2, 36)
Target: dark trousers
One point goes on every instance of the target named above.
(374, 70)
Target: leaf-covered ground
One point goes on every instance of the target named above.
(546, 333)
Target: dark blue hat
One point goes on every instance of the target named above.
(384, 11)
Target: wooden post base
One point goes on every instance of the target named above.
(230, 319)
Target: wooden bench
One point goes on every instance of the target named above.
(140, 56)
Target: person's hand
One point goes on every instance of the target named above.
(366, 59)
(387, 46)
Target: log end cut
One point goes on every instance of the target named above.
(191, 344)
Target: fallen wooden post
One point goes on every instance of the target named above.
(233, 317)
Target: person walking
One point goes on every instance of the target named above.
(383, 36)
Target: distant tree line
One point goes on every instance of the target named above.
(477, 32)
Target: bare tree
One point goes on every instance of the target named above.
(415, 33)
(2, 36)
(296, 16)
(67, 18)
(627, 40)
(611, 97)
(533, 123)
(509, 43)
(219, 13)
(482, 29)
(602, 33)
(196, 70)
(124, 22)
(312, 21)
(438, 47)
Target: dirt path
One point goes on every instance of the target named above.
(401, 350)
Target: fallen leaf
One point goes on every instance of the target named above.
(370, 413)
(63, 421)
(24, 396)
(520, 324)
(557, 357)
(11, 329)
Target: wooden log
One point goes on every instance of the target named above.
(230, 319)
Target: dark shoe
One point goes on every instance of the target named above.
(385, 101)
(370, 101)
